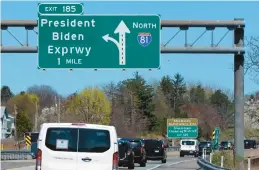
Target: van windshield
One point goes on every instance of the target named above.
(65, 139)
(188, 143)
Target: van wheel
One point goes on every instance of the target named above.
(142, 164)
(164, 161)
(131, 166)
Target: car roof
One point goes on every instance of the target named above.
(77, 124)
(132, 139)
(205, 141)
(123, 141)
(153, 140)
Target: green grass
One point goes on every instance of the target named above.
(228, 159)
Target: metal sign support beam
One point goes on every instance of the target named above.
(239, 100)
(238, 50)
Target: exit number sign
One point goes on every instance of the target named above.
(60, 9)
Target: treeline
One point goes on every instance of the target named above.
(133, 106)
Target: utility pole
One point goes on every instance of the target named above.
(131, 108)
(56, 105)
(15, 130)
(59, 110)
(36, 117)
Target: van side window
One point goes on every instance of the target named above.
(65, 134)
(94, 140)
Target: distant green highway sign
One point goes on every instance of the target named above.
(99, 41)
(60, 8)
(182, 128)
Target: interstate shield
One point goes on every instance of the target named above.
(144, 39)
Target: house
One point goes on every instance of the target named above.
(7, 124)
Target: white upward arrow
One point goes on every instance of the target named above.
(122, 29)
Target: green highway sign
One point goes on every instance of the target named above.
(60, 8)
(99, 41)
(182, 128)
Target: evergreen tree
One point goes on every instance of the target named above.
(166, 85)
(23, 124)
(144, 93)
(6, 94)
(224, 106)
(179, 89)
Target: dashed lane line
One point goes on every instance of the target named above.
(175, 163)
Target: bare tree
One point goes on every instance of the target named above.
(252, 58)
(45, 93)
(252, 111)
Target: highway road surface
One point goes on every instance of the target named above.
(173, 163)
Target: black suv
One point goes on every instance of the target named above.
(205, 145)
(226, 145)
(126, 154)
(138, 149)
(155, 150)
(249, 144)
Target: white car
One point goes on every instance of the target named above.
(77, 146)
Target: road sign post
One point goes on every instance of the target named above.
(99, 41)
(182, 128)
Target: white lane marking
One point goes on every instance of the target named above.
(180, 162)
(157, 166)
(21, 168)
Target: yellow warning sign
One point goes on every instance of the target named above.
(28, 140)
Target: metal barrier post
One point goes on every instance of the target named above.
(210, 157)
(222, 160)
(249, 164)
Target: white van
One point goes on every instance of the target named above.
(77, 146)
(189, 147)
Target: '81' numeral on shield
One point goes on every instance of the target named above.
(144, 39)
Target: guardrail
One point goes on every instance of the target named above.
(25, 154)
(250, 154)
(16, 155)
(173, 148)
(205, 165)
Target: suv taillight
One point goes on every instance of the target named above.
(115, 161)
(38, 159)
(163, 146)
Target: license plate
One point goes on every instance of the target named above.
(190, 151)
(156, 151)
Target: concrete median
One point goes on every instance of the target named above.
(173, 153)
(253, 154)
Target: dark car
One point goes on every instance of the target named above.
(138, 149)
(155, 150)
(205, 145)
(226, 145)
(126, 154)
(249, 144)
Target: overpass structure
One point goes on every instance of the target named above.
(237, 49)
